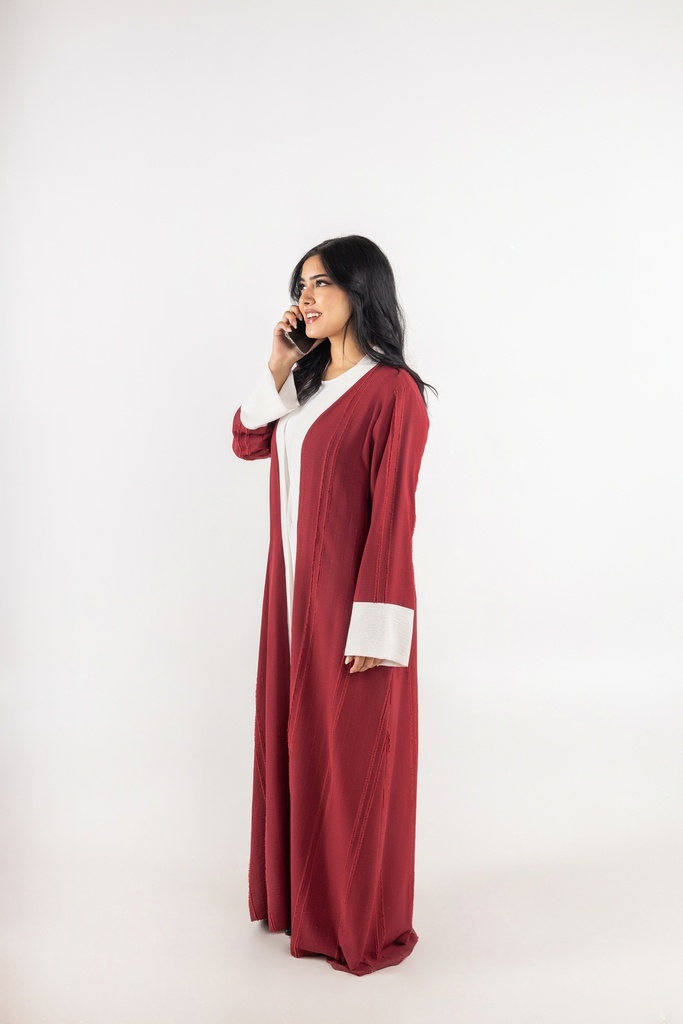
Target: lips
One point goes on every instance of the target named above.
(310, 317)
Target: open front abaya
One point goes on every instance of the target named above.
(335, 757)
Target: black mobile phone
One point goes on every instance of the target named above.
(298, 338)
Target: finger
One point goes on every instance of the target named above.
(287, 324)
(361, 664)
(371, 663)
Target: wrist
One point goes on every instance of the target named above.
(281, 365)
(280, 371)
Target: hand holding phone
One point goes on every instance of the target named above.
(297, 336)
(290, 342)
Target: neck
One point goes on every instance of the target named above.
(344, 352)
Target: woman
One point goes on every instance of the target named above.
(334, 795)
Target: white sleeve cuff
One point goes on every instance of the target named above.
(381, 631)
(266, 403)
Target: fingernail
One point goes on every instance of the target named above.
(346, 661)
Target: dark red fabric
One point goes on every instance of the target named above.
(335, 759)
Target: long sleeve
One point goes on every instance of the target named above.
(266, 403)
(255, 420)
(383, 610)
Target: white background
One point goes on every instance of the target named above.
(164, 167)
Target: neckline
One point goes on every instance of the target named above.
(341, 376)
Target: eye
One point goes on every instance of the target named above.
(318, 281)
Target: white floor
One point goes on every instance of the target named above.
(549, 890)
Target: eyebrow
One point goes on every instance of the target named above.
(313, 277)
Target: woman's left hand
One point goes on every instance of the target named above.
(361, 664)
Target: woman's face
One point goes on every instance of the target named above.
(321, 295)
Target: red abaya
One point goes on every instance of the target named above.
(335, 760)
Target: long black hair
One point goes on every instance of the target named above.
(361, 269)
